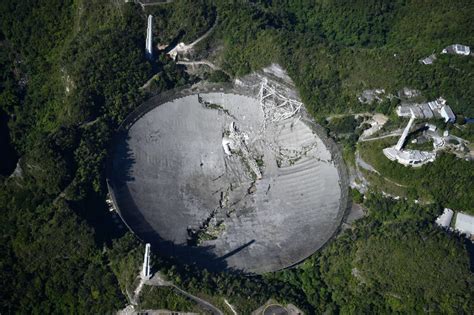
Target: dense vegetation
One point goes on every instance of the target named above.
(333, 50)
(72, 70)
(73, 74)
(390, 262)
(448, 180)
(165, 298)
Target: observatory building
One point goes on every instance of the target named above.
(434, 109)
(408, 157)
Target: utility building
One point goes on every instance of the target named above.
(149, 38)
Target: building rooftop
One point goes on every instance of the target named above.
(428, 60)
(444, 220)
(457, 49)
(436, 108)
(464, 223)
(447, 113)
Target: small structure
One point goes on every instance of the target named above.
(407, 93)
(149, 38)
(444, 220)
(178, 49)
(376, 123)
(369, 96)
(428, 60)
(465, 224)
(146, 270)
(110, 203)
(431, 127)
(457, 49)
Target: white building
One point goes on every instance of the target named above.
(444, 220)
(428, 60)
(447, 114)
(457, 49)
(431, 127)
(464, 223)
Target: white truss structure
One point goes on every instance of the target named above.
(275, 106)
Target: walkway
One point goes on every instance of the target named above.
(395, 133)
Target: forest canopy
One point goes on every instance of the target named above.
(73, 70)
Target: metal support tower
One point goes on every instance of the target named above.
(146, 272)
(149, 38)
(275, 106)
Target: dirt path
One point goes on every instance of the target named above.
(230, 306)
(148, 4)
(330, 117)
(361, 163)
(364, 164)
(199, 63)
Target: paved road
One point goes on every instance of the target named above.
(204, 304)
(364, 164)
(147, 4)
(157, 280)
(396, 133)
(182, 48)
